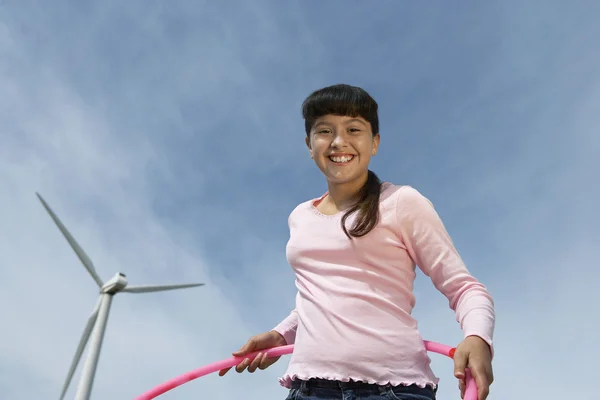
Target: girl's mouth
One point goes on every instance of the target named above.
(341, 159)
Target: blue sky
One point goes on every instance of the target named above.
(169, 140)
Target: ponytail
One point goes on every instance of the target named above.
(367, 206)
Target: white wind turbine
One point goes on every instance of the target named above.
(96, 324)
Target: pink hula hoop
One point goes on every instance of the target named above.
(470, 392)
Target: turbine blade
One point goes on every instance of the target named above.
(159, 288)
(87, 263)
(82, 342)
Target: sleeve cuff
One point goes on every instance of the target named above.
(287, 329)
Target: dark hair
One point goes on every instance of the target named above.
(349, 101)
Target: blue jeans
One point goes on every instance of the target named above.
(320, 389)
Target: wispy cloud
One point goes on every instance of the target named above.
(169, 141)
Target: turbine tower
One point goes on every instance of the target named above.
(96, 324)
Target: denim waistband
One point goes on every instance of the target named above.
(330, 384)
(325, 384)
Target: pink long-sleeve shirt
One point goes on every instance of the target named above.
(355, 297)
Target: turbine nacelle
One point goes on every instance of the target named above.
(97, 321)
(115, 284)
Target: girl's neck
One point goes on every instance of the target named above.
(346, 194)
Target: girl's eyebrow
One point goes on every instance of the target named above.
(355, 120)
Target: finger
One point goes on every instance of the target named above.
(460, 363)
(263, 361)
(224, 371)
(243, 365)
(462, 388)
(255, 363)
(490, 374)
(480, 376)
(247, 348)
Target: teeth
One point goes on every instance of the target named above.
(341, 159)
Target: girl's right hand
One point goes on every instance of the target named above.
(261, 341)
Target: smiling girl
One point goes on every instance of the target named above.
(354, 251)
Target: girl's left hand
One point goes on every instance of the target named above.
(474, 353)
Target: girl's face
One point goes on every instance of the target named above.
(342, 147)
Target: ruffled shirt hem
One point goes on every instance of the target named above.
(286, 380)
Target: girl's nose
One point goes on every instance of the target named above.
(339, 141)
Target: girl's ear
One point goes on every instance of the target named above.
(307, 141)
(376, 141)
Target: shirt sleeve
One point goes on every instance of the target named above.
(287, 328)
(431, 248)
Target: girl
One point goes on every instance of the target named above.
(354, 251)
